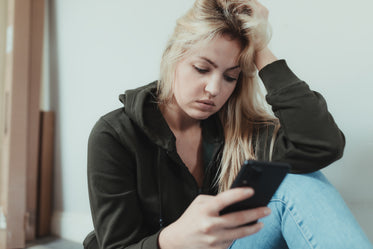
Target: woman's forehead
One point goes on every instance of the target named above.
(217, 50)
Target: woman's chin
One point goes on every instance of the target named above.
(198, 115)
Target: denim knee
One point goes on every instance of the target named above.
(304, 185)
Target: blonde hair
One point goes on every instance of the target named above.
(245, 111)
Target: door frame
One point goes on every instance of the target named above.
(20, 134)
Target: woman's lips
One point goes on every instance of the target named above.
(206, 102)
(206, 105)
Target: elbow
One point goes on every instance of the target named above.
(314, 158)
(337, 146)
(332, 151)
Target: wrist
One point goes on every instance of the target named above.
(163, 239)
(264, 57)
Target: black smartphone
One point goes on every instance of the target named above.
(263, 177)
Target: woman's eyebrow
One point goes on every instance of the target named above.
(209, 61)
(232, 68)
(216, 66)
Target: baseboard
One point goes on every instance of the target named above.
(71, 226)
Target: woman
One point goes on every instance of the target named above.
(159, 169)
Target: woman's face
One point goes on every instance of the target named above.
(206, 78)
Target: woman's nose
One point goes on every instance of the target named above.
(213, 86)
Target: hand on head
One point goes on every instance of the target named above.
(261, 13)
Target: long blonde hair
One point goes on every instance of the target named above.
(245, 111)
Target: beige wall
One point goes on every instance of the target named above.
(3, 16)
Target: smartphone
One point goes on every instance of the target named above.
(263, 177)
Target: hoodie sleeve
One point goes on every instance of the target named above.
(308, 139)
(115, 207)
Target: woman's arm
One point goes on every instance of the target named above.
(116, 211)
(308, 139)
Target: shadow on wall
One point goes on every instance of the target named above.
(2, 86)
(54, 100)
(352, 177)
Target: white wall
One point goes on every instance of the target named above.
(100, 48)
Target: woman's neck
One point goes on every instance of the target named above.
(188, 134)
(177, 119)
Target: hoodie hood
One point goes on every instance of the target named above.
(141, 107)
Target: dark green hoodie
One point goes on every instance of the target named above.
(138, 183)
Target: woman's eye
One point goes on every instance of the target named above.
(229, 79)
(201, 70)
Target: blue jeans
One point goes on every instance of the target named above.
(307, 212)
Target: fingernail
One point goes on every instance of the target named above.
(249, 191)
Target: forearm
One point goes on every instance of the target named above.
(308, 139)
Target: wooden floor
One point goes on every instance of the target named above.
(54, 243)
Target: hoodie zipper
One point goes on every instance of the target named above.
(176, 158)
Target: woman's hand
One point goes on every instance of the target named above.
(262, 12)
(263, 55)
(261, 34)
(201, 226)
